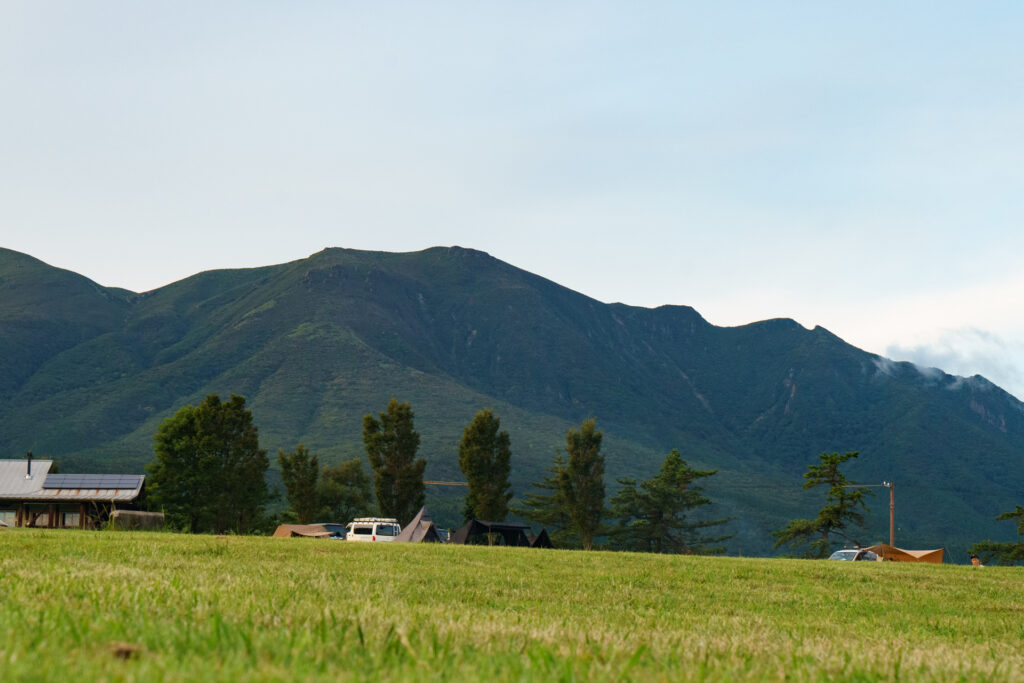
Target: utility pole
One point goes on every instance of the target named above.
(892, 512)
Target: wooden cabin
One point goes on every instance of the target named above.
(32, 497)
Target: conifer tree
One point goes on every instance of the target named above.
(485, 459)
(391, 444)
(581, 482)
(549, 509)
(655, 516)
(1004, 552)
(839, 516)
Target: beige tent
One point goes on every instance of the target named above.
(888, 552)
(420, 530)
(309, 530)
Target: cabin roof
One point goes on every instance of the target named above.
(15, 484)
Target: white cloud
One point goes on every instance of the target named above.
(968, 351)
(962, 329)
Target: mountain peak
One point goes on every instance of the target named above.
(87, 373)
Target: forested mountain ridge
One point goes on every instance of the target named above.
(87, 373)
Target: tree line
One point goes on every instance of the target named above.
(208, 475)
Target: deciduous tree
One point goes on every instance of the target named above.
(391, 444)
(300, 471)
(345, 492)
(485, 459)
(839, 516)
(209, 471)
(656, 515)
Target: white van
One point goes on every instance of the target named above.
(372, 529)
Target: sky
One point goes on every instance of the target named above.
(850, 165)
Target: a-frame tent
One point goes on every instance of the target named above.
(420, 530)
(541, 540)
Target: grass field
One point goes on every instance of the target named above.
(89, 606)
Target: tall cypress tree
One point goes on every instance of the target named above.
(391, 444)
(485, 459)
(581, 481)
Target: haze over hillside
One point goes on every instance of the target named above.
(87, 373)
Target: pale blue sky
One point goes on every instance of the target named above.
(853, 166)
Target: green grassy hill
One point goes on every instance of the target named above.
(87, 374)
(139, 606)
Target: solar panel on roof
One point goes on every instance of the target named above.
(93, 481)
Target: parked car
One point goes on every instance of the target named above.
(372, 529)
(337, 530)
(854, 555)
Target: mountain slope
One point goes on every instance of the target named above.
(88, 373)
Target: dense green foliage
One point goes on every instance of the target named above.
(345, 492)
(133, 606)
(546, 507)
(87, 374)
(581, 481)
(1004, 552)
(485, 459)
(391, 443)
(335, 494)
(209, 470)
(300, 472)
(657, 515)
(839, 516)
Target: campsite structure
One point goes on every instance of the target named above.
(420, 530)
(303, 531)
(893, 554)
(30, 496)
(506, 533)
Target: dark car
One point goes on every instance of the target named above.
(337, 530)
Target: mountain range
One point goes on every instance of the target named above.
(87, 373)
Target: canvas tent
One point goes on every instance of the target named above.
(541, 540)
(304, 530)
(420, 530)
(476, 530)
(888, 552)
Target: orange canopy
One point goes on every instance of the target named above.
(888, 552)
